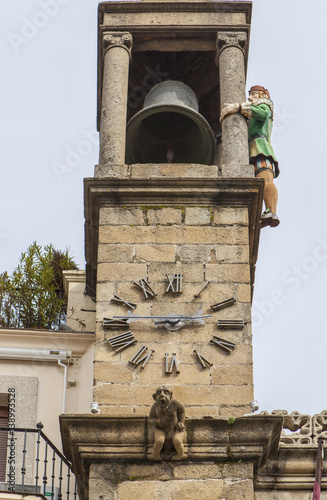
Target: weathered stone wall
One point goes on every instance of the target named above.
(228, 481)
(203, 243)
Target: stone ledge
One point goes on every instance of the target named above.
(145, 170)
(91, 439)
(237, 171)
(291, 468)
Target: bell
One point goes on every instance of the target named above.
(169, 128)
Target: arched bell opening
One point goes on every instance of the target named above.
(198, 71)
(169, 128)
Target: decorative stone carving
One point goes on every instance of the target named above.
(228, 39)
(167, 417)
(294, 422)
(319, 426)
(305, 429)
(118, 39)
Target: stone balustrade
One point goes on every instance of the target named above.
(299, 429)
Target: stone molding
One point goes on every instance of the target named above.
(291, 468)
(185, 6)
(168, 191)
(91, 439)
(227, 39)
(112, 39)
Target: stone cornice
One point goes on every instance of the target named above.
(72, 277)
(291, 468)
(167, 191)
(78, 343)
(93, 438)
(148, 6)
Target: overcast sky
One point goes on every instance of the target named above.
(49, 144)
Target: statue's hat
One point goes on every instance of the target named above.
(259, 88)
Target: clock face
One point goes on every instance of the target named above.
(171, 324)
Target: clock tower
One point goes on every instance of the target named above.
(172, 229)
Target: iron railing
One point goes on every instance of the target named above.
(35, 465)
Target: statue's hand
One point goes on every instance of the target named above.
(154, 421)
(180, 426)
(229, 109)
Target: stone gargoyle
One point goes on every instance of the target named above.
(167, 425)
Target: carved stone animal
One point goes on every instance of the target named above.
(167, 415)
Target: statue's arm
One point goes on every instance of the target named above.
(153, 419)
(180, 416)
(260, 112)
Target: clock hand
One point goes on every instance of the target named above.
(172, 320)
(169, 317)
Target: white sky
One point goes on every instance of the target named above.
(48, 106)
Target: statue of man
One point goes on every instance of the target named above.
(260, 111)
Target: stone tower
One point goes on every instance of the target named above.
(171, 239)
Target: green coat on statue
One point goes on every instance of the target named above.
(260, 128)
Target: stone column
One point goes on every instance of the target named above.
(117, 54)
(231, 63)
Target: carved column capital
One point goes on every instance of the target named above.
(227, 39)
(117, 39)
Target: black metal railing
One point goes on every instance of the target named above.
(35, 465)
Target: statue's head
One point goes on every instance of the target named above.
(163, 396)
(258, 92)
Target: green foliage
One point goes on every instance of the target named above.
(33, 296)
(231, 420)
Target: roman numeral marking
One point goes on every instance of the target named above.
(173, 364)
(137, 359)
(114, 323)
(237, 324)
(122, 341)
(174, 283)
(223, 344)
(118, 300)
(222, 305)
(204, 362)
(196, 295)
(146, 288)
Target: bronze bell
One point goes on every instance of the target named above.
(169, 128)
